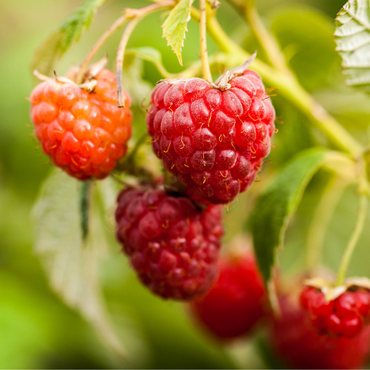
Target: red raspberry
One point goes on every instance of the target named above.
(213, 140)
(83, 133)
(172, 246)
(344, 316)
(303, 348)
(235, 302)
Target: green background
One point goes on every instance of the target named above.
(37, 330)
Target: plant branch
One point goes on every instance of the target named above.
(346, 258)
(265, 39)
(206, 71)
(114, 27)
(288, 86)
(135, 15)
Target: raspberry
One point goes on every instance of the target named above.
(344, 316)
(83, 133)
(172, 246)
(235, 302)
(213, 140)
(303, 348)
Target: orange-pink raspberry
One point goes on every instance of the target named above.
(344, 316)
(172, 245)
(213, 140)
(82, 132)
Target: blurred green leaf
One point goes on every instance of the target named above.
(305, 36)
(278, 203)
(352, 36)
(70, 262)
(69, 32)
(150, 55)
(133, 82)
(175, 26)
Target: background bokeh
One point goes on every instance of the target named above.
(37, 330)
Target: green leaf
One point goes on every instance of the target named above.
(306, 38)
(278, 203)
(175, 26)
(60, 41)
(150, 55)
(352, 36)
(133, 82)
(70, 262)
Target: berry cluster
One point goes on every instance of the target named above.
(235, 302)
(213, 140)
(303, 348)
(172, 245)
(344, 316)
(84, 133)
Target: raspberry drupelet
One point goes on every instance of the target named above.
(82, 132)
(301, 347)
(172, 245)
(344, 316)
(213, 139)
(235, 302)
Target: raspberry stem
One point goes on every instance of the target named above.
(114, 27)
(346, 258)
(85, 193)
(203, 41)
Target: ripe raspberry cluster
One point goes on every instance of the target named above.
(235, 302)
(212, 140)
(301, 347)
(172, 245)
(82, 132)
(343, 317)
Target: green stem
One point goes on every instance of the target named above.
(346, 258)
(85, 207)
(265, 39)
(206, 71)
(288, 86)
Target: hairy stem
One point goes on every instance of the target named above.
(135, 15)
(346, 258)
(288, 86)
(120, 57)
(203, 41)
(266, 41)
(114, 27)
(321, 218)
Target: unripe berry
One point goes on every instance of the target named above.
(84, 133)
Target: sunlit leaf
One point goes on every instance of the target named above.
(71, 263)
(175, 26)
(60, 41)
(352, 36)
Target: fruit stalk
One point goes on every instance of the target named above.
(346, 258)
(203, 41)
